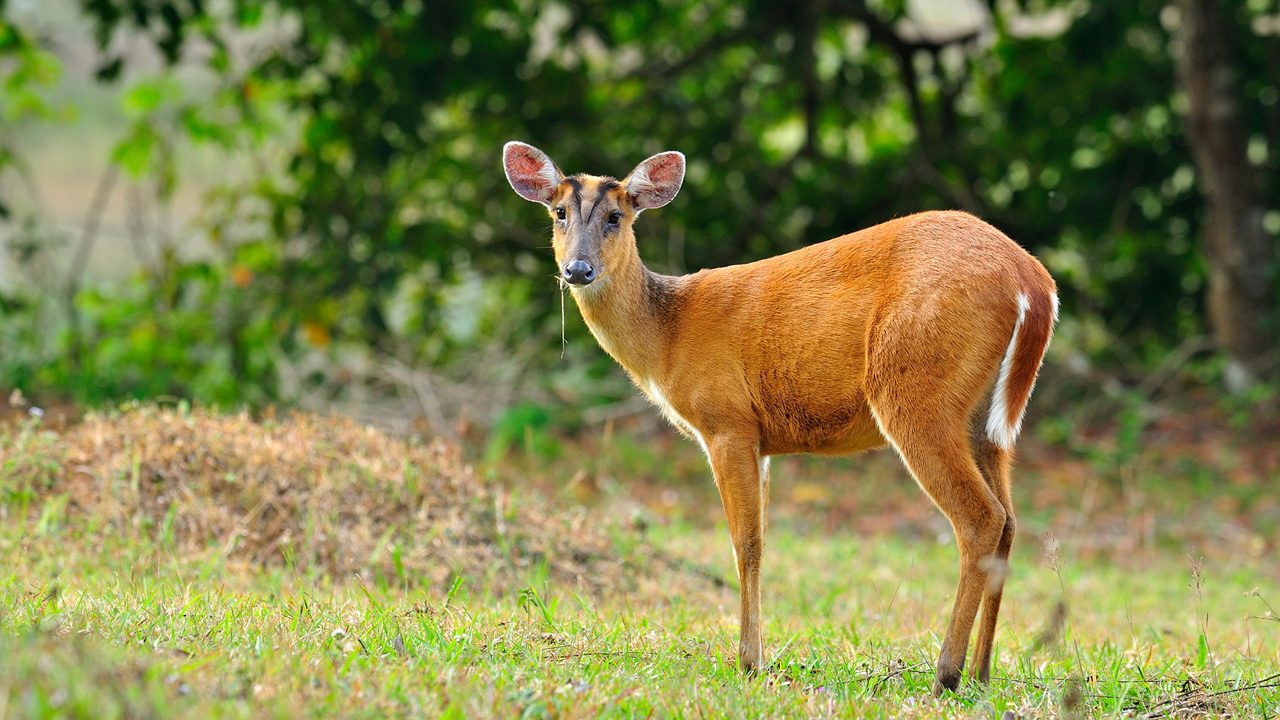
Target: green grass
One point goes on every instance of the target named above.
(124, 631)
(121, 616)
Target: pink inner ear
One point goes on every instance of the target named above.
(664, 169)
(522, 164)
(524, 168)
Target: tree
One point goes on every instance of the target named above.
(1057, 121)
(1239, 253)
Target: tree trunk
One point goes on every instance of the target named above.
(1238, 251)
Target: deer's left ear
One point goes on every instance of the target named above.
(656, 181)
(531, 173)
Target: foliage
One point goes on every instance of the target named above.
(183, 333)
(384, 121)
(26, 71)
(802, 123)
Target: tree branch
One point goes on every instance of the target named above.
(80, 261)
(707, 49)
(904, 51)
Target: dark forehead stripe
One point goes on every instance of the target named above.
(605, 186)
(576, 185)
(593, 188)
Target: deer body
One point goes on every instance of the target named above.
(925, 332)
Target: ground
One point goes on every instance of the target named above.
(170, 563)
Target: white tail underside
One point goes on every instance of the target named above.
(999, 429)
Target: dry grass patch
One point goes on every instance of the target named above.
(315, 493)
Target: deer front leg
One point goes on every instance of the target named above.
(739, 473)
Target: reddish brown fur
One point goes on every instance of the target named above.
(891, 334)
(1036, 330)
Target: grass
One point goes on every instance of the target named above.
(112, 615)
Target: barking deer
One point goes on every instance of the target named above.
(925, 333)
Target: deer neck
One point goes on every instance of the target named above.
(625, 312)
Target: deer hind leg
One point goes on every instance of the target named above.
(741, 476)
(995, 464)
(936, 450)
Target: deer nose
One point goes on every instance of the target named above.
(579, 272)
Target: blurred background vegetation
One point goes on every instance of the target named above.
(301, 201)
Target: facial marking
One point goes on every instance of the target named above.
(582, 196)
(583, 207)
(576, 186)
(604, 188)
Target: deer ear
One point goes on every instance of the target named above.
(531, 173)
(656, 181)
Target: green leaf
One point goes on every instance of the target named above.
(135, 154)
(146, 97)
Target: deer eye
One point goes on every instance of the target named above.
(560, 213)
(615, 217)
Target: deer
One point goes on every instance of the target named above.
(925, 333)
